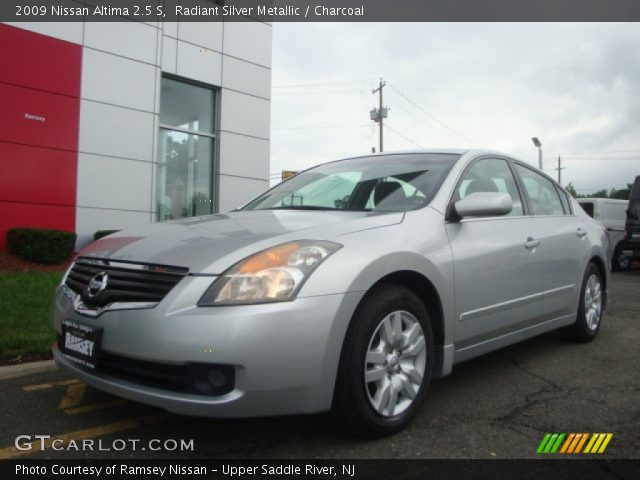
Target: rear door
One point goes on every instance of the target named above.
(563, 242)
(497, 274)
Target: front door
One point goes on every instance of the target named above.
(496, 261)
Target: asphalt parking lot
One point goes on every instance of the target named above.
(496, 406)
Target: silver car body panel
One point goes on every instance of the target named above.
(492, 292)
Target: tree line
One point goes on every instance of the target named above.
(620, 194)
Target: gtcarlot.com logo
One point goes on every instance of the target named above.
(573, 443)
(47, 442)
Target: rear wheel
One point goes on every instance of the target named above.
(386, 363)
(620, 262)
(590, 309)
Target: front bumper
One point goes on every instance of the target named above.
(285, 355)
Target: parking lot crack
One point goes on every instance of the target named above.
(519, 366)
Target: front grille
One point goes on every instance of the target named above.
(125, 281)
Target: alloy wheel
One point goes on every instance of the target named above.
(593, 302)
(395, 363)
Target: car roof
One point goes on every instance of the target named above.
(455, 151)
(450, 151)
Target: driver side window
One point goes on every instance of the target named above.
(490, 175)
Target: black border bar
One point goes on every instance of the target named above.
(321, 10)
(540, 469)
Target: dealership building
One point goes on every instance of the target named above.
(119, 124)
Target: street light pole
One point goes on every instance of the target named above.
(537, 143)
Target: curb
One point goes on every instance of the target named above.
(23, 369)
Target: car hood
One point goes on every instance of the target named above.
(212, 243)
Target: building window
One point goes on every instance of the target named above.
(185, 154)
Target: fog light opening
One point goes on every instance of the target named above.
(216, 378)
(212, 379)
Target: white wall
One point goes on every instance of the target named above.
(119, 110)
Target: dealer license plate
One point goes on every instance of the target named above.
(81, 343)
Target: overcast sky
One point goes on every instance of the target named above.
(492, 85)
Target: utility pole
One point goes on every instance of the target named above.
(559, 169)
(380, 113)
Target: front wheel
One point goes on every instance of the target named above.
(386, 363)
(590, 309)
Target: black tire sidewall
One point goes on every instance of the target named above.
(355, 403)
(582, 329)
(615, 264)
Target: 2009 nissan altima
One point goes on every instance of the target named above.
(346, 288)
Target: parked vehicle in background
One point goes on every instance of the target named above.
(632, 224)
(612, 214)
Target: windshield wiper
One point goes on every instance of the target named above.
(315, 207)
(299, 207)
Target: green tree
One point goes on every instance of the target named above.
(572, 190)
(622, 194)
(599, 194)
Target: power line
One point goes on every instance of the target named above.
(601, 158)
(316, 92)
(459, 135)
(602, 153)
(319, 84)
(414, 115)
(404, 136)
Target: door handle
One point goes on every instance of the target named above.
(531, 243)
(581, 232)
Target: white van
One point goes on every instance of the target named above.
(612, 214)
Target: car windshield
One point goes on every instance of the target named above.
(379, 183)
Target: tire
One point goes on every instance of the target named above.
(589, 316)
(388, 329)
(619, 262)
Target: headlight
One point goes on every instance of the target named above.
(272, 275)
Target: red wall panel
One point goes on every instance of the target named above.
(37, 175)
(33, 215)
(38, 118)
(39, 122)
(38, 61)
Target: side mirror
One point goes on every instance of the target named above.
(484, 204)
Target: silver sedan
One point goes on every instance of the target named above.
(347, 288)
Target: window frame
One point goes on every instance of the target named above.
(214, 182)
(452, 217)
(557, 188)
(562, 193)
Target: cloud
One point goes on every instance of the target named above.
(576, 86)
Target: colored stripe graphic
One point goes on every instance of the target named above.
(550, 443)
(574, 443)
(543, 443)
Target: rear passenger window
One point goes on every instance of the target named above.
(542, 193)
(588, 208)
